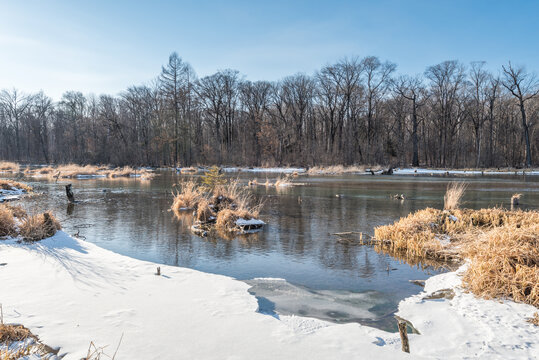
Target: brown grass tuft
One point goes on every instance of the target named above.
(10, 333)
(16, 210)
(535, 319)
(336, 169)
(38, 227)
(14, 185)
(187, 197)
(7, 222)
(9, 166)
(502, 246)
(453, 195)
(204, 211)
(72, 170)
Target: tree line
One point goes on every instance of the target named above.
(356, 111)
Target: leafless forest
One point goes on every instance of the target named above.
(357, 111)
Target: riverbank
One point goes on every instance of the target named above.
(70, 292)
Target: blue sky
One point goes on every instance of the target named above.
(105, 46)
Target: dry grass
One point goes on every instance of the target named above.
(502, 246)
(128, 171)
(187, 196)
(11, 333)
(282, 182)
(16, 210)
(188, 170)
(336, 169)
(7, 222)
(453, 195)
(204, 211)
(535, 319)
(227, 202)
(17, 354)
(9, 166)
(505, 263)
(72, 170)
(38, 227)
(6, 184)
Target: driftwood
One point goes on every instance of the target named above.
(69, 194)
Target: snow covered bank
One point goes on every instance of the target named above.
(278, 170)
(468, 327)
(70, 292)
(425, 171)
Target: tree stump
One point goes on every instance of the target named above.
(404, 335)
(69, 194)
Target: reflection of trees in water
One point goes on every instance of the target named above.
(299, 229)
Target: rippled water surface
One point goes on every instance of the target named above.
(295, 265)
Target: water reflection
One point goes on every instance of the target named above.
(132, 217)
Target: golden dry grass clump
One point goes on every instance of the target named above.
(505, 263)
(16, 210)
(38, 227)
(453, 195)
(9, 166)
(72, 170)
(221, 205)
(187, 196)
(535, 319)
(336, 169)
(204, 212)
(7, 222)
(502, 246)
(6, 184)
(11, 333)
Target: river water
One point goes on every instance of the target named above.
(296, 265)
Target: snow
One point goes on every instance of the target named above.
(10, 195)
(282, 170)
(70, 292)
(244, 222)
(423, 171)
(468, 327)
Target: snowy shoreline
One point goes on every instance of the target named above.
(396, 171)
(70, 292)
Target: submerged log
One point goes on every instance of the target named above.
(69, 194)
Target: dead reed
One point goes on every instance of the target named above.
(534, 319)
(73, 170)
(453, 195)
(38, 227)
(11, 333)
(7, 184)
(187, 196)
(9, 166)
(225, 202)
(502, 246)
(7, 222)
(336, 169)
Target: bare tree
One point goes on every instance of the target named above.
(15, 104)
(412, 88)
(524, 87)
